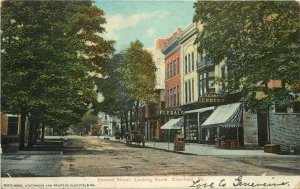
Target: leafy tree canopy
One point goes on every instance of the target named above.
(258, 41)
(111, 88)
(138, 72)
(49, 49)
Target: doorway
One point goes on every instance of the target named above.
(262, 124)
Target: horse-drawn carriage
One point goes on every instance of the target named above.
(134, 137)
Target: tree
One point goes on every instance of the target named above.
(258, 41)
(138, 76)
(129, 82)
(49, 48)
(111, 88)
(115, 99)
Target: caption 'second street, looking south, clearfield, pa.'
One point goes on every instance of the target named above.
(150, 88)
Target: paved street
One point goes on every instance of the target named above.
(90, 156)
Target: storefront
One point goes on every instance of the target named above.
(226, 123)
(173, 126)
(173, 123)
(193, 120)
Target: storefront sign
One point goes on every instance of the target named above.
(211, 98)
(171, 112)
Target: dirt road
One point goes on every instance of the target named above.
(87, 156)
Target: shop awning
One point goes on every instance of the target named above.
(199, 110)
(225, 116)
(173, 124)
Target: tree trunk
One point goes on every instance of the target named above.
(121, 127)
(35, 134)
(22, 131)
(137, 119)
(30, 135)
(130, 113)
(43, 132)
(126, 121)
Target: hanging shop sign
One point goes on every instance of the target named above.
(211, 98)
(171, 112)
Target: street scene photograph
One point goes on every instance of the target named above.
(150, 94)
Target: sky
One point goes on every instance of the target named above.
(146, 21)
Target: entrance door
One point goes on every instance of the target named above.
(262, 124)
(13, 125)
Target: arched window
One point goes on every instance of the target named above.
(193, 62)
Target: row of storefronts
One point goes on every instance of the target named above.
(190, 95)
(192, 102)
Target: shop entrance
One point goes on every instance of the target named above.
(262, 124)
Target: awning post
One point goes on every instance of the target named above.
(237, 133)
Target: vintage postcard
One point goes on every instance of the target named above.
(113, 94)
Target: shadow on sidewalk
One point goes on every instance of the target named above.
(47, 145)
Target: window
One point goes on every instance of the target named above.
(177, 60)
(167, 72)
(193, 89)
(204, 85)
(171, 70)
(200, 87)
(186, 90)
(174, 96)
(189, 63)
(211, 74)
(170, 98)
(178, 95)
(211, 84)
(185, 64)
(202, 59)
(174, 68)
(193, 66)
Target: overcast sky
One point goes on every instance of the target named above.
(144, 20)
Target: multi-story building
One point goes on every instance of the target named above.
(197, 79)
(189, 59)
(152, 118)
(172, 61)
(172, 68)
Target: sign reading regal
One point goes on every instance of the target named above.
(211, 98)
(171, 112)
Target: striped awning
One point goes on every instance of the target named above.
(225, 116)
(173, 124)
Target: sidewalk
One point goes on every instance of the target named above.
(43, 159)
(206, 150)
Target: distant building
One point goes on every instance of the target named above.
(10, 127)
(108, 124)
